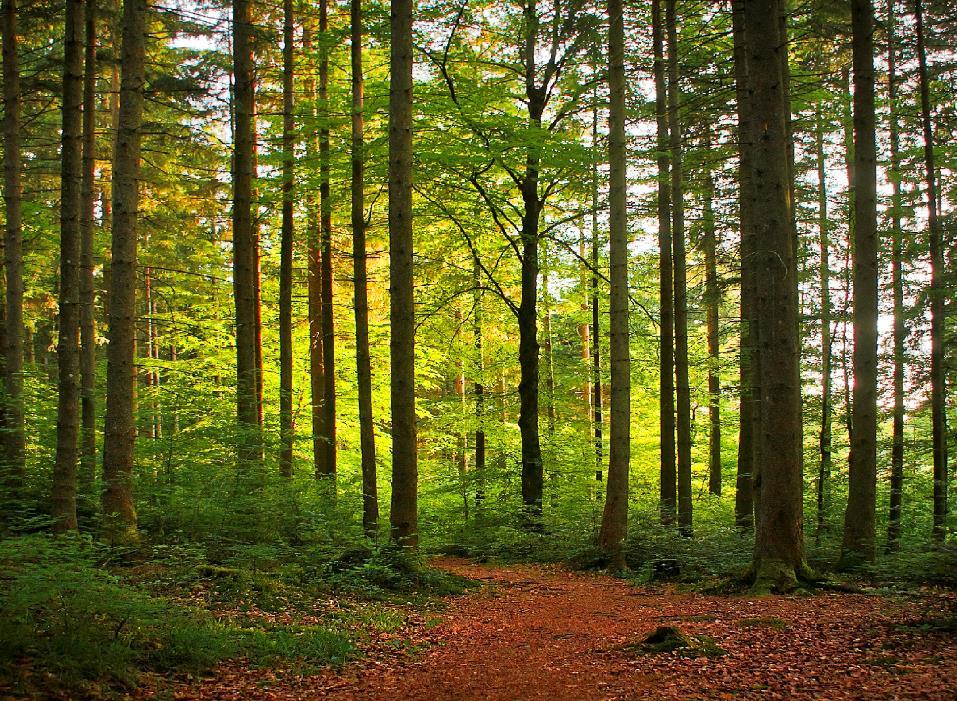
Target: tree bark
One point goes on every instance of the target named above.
(824, 467)
(614, 524)
(370, 494)
(120, 429)
(897, 254)
(668, 486)
(713, 307)
(404, 514)
(244, 244)
(549, 356)
(325, 235)
(68, 342)
(779, 538)
(938, 391)
(14, 454)
(286, 428)
(479, 386)
(597, 398)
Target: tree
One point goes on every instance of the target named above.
(779, 534)
(245, 272)
(614, 524)
(858, 544)
(370, 494)
(68, 341)
(404, 514)
(824, 273)
(14, 453)
(286, 258)
(120, 428)
(713, 309)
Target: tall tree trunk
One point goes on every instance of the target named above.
(404, 514)
(859, 522)
(682, 383)
(244, 243)
(595, 307)
(897, 254)
(549, 356)
(584, 334)
(462, 443)
(668, 486)
(325, 233)
(749, 416)
(938, 391)
(257, 262)
(68, 342)
(14, 441)
(317, 379)
(370, 493)
(824, 467)
(713, 305)
(779, 538)
(120, 429)
(479, 387)
(614, 523)
(285, 255)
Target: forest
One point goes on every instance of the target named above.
(478, 349)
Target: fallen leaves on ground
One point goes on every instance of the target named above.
(537, 632)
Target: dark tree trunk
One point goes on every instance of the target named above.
(713, 306)
(614, 523)
(549, 356)
(370, 493)
(479, 387)
(859, 523)
(669, 487)
(404, 514)
(244, 243)
(897, 254)
(748, 414)
(596, 309)
(937, 293)
(779, 538)
(824, 467)
(68, 343)
(120, 427)
(325, 233)
(13, 430)
(285, 255)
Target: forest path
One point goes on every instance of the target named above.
(535, 632)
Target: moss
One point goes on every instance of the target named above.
(667, 639)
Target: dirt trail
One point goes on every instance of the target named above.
(544, 633)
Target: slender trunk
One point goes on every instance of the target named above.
(859, 523)
(404, 514)
(462, 443)
(938, 391)
(317, 379)
(68, 343)
(897, 445)
(595, 307)
(244, 243)
(584, 335)
(549, 357)
(257, 262)
(847, 124)
(120, 428)
(479, 388)
(614, 524)
(749, 416)
(286, 428)
(370, 494)
(824, 468)
(779, 538)
(669, 487)
(13, 439)
(713, 304)
(325, 234)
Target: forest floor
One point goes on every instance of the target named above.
(542, 632)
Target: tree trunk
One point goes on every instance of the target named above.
(317, 380)
(370, 494)
(325, 233)
(779, 538)
(824, 468)
(87, 476)
(68, 343)
(244, 243)
(479, 387)
(595, 308)
(120, 428)
(897, 254)
(285, 255)
(404, 514)
(748, 414)
(549, 357)
(614, 523)
(713, 306)
(937, 293)
(669, 488)
(14, 440)
(859, 521)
